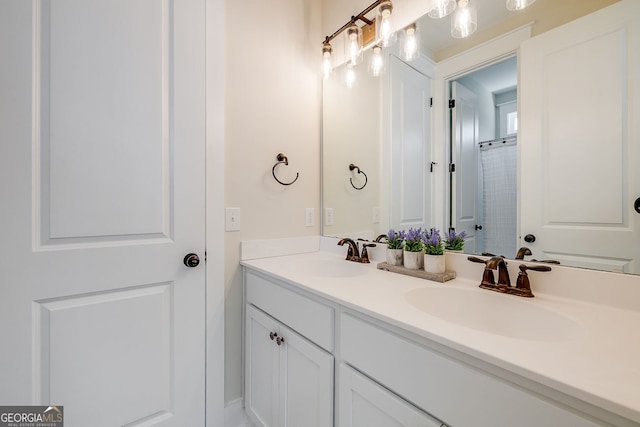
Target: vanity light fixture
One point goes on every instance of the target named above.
(440, 8)
(376, 65)
(518, 4)
(411, 44)
(464, 21)
(384, 30)
(378, 30)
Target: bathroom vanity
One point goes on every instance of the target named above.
(331, 342)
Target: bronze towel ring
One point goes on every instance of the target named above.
(352, 167)
(282, 159)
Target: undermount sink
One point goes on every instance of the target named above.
(495, 313)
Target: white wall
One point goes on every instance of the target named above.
(272, 105)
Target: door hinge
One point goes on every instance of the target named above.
(452, 167)
(452, 103)
(431, 102)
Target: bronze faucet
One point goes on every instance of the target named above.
(522, 252)
(522, 288)
(498, 263)
(353, 253)
(380, 237)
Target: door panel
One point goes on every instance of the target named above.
(465, 179)
(410, 147)
(580, 212)
(91, 125)
(102, 163)
(124, 339)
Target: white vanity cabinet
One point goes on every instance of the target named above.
(288, 378)
(385, 375)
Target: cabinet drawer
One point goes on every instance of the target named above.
(309, 318)
(363, 403)
(456, 393)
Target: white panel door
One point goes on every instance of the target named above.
(410, 147)
(579, 118)
(464, 137)
(102, 185)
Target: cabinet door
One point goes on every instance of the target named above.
(262, 364)
(364, 403)
(306, 382)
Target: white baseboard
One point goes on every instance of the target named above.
(234, 415)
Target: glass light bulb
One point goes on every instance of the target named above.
(441, 8)
(326, 60)
(384, 30)
(410, 45)
(353, 44)
(518, 4)
(465, 20)
(376, 65)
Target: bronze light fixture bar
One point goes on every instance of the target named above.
(359, 17)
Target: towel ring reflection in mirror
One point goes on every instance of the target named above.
(282, 159)
(351, 168)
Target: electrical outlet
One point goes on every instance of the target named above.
(375, 215)
(232, 219)
(309, 217)
(328, 216)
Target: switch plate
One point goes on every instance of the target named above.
(328, 216)
(232, 219)
(309, 217)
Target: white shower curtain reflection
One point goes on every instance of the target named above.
(499, 192)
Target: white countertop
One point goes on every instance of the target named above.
(600, 365)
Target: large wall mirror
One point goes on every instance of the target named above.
(545, 157)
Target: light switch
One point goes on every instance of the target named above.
(232, 219)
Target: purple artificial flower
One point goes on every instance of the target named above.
(413, 240)
(433, 242)
(394, 240)
(455, 241)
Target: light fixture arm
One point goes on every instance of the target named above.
(359, 17)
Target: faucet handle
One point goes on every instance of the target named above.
(364, 256)
(522, 284)
(525, 267)
(487, 276)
